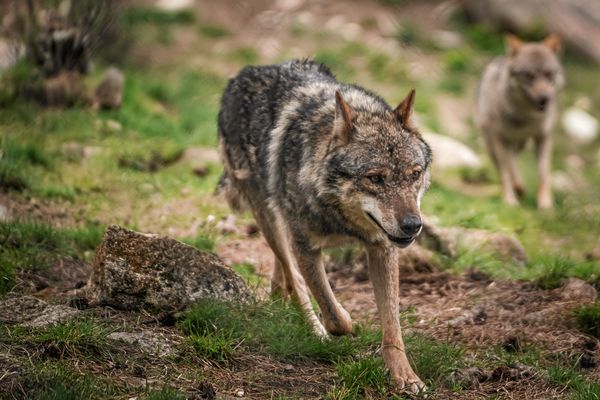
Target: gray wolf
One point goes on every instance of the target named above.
(517, 101)
(320, 163)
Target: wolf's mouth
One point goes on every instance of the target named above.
(401, 242)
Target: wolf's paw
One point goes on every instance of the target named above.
(410, 384)
(340, 324)
(545, 202)
(510, 200)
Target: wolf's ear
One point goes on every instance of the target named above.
(343, 118)
(513, 44)
(552, 41)
(404, 110)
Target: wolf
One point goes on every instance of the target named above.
(517, 102)
(321, 163)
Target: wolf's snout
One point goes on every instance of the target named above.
(542, 102)
(411, 224)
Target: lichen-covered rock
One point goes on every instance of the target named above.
(577, 290)
(152, 343)
(133, 270)
(450, 240)
(33, 312)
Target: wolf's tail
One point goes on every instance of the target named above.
(235, 198)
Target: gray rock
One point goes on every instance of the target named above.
(579, 291)
(450, 153)
(109, 93)
(449, 240)
(4, 213)
(152, 343)
(133, 270)
(33, 312)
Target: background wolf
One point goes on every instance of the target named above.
(320, 162)
(517, 102)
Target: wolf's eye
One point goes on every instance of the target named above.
(415, 174)
(376, 179)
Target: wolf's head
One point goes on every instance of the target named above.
(535, 71)
(377, 168)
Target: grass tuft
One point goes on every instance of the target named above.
(28, 245)
(587, 319)
(77, 338)
(364, 378)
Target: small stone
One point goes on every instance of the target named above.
(151, 343)
(200, 171)
(33, 312)
(447, 39)
(109, 92)
(450, 153)
(113, 125)
(228, 225)
(174, 5)
(239, 393)
(579, 125)
(578, 290)
(4, 213)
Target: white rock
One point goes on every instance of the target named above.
(450, 153)
(351, 31)
(289, 5)
(174, 5)
(579, 125)
(4, 213)
(447, 39)
(562, 182)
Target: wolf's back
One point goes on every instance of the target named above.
(250, 108)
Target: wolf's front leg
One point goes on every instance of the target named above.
(383, 271)
(335, 318)
(543, 146)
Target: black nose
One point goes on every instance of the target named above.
(411, 224)
(542, 102)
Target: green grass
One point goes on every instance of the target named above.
(580, 387)
(34, 246)
(148, 15)
(587, 319)
(77, 338)
(360, 379)
(165, 393)
(56, 381)
(276, 328)
(213, 31)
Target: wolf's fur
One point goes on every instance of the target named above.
(320, 163)
(517, 101)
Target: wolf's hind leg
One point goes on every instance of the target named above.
(336, 319)
(279, 283)
(383, 271)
